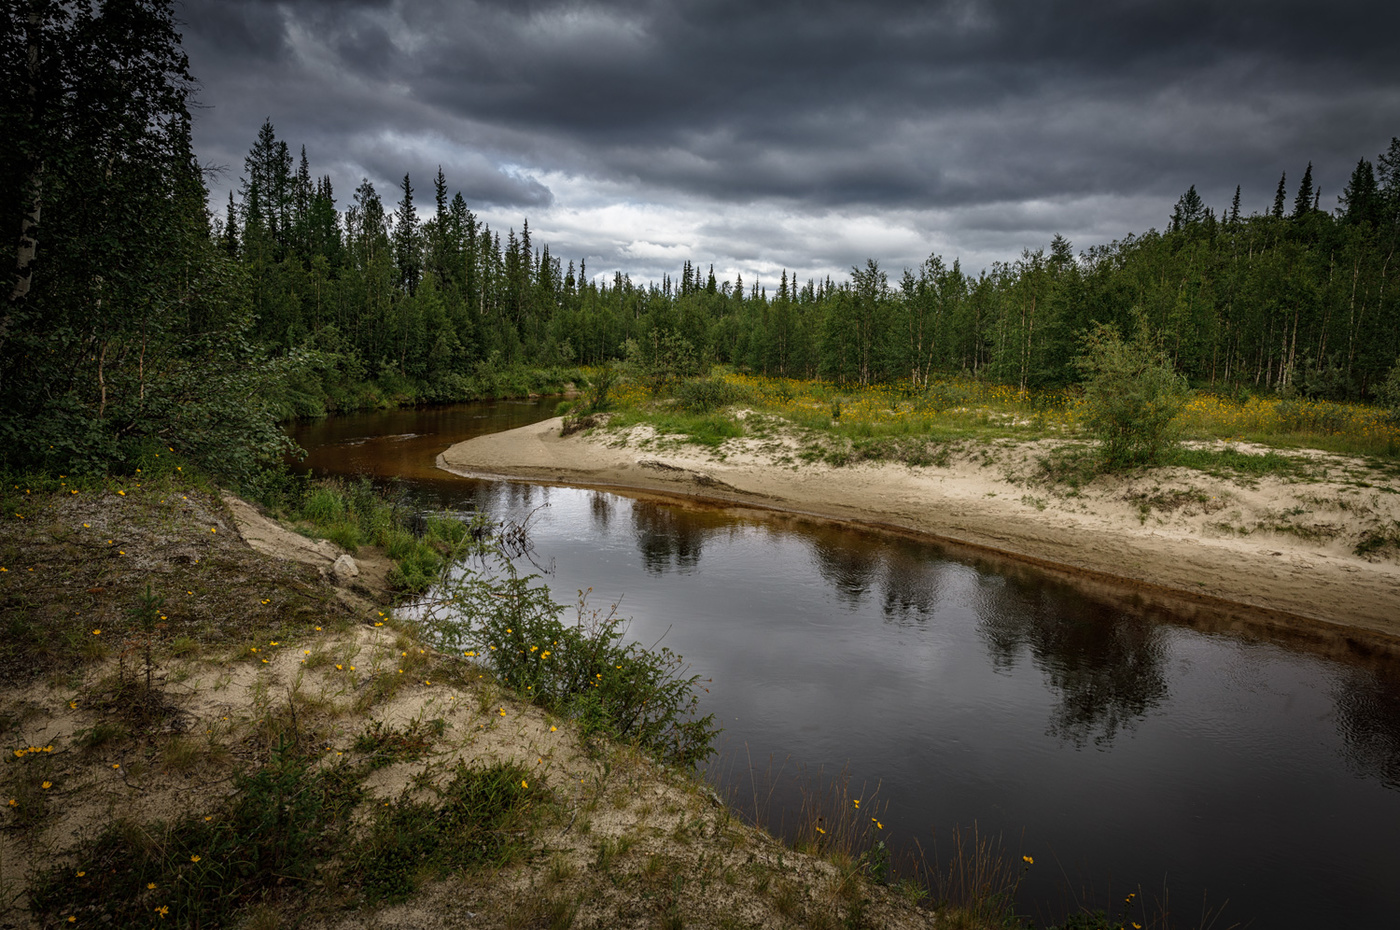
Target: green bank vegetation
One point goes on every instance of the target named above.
(143, 317)
(290, 755)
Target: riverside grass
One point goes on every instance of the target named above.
(845, 424)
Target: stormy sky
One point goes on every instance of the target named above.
(803, 135)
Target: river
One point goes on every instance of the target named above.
(1124, 748)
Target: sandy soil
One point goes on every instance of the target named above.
(1236, 550)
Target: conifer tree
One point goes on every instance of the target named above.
(230, 240)
(407, 255)
(1303, 203)
(1358, 199)
(1280, 196)
(1189, 210)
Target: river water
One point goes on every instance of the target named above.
(1123, 747)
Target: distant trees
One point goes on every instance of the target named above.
(1298, 298)
(130, 318)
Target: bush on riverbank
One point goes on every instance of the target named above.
(583, 670)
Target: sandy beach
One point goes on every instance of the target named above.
(1245, 552)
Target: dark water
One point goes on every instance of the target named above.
(1120, 745)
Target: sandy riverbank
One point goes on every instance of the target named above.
(1269, 551)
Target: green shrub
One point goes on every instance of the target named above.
(1388, 391)
(583, 669)
(282, 822)
(1132, 395)
(706, 395)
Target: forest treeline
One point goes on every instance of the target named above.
(1296, 297)
(137, 317)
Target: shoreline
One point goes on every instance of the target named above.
(1297, 580)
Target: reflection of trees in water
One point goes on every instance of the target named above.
(601, 507)
(907, 574)
(1368, 716)
(910, 583)
(525, 496)
(666, 537)
(847, 567)
(1106, 668)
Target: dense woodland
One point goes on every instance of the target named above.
(139, 314)
(1297, 297)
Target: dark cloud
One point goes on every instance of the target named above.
(962, 112)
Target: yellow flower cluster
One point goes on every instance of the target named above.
(21, 753)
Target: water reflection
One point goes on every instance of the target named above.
(850, 570)
(1105, 668)
(667, 538)
(1368, 718)
(912, 581)
(601, 507)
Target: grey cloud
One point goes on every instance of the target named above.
(977, 108)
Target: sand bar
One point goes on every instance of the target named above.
(1266, 552)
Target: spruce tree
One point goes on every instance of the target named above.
(1189, 210)
(407, 250)
(1280, 196)
(1303, 203)
(1359, 196)
(230, 240)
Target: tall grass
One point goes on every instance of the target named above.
(839, 416)
(355, 514)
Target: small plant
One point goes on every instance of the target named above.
(1388, 392)
(385, 745)
(475, 822)
(278, 828)
(147, 615)
(706, 395)
(595, 396)
(1131, 397)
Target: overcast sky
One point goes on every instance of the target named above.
(808, 136)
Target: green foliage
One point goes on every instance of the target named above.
(1131, 397)
(661, 358)
(352, 514)
(475, 821)
(1388, 391)
(703, 429)
(131, 335)
(595, 396)
(283, 821)
(146, 615)
(583, 669)
(707, 395)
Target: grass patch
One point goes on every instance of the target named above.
(77, 566)
(284, 820)
(385, 745)
(359, 513)
(845, 424)
(1230, 462)
(474, 821)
